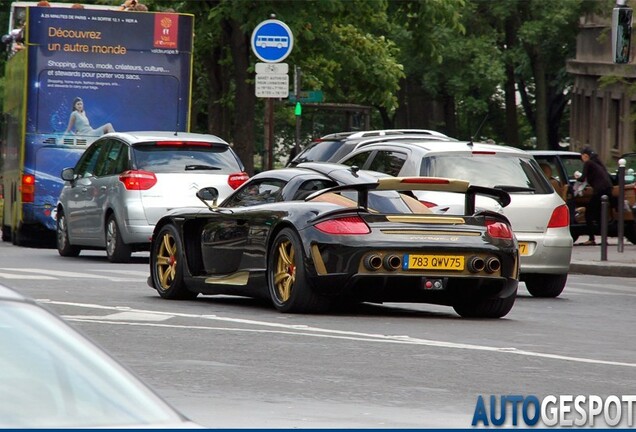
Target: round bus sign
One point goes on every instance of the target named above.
(272, 41)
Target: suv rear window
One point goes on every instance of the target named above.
(319, 151)
(507, 172)
(218, 159)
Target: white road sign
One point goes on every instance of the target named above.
(272, 85)
(272, 68)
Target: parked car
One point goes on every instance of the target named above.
(563, 165)
(333, 147)
(320, 234)
(538, 215)
(51, 377)
(124, 182)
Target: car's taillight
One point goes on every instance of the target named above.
(344, 226)
(235, 180)
(560, 217)
(498, 229)
(138, 180)
(27, 188)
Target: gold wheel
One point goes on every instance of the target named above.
(285, 274)
(166, 263)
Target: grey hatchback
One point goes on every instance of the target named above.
(124, 182)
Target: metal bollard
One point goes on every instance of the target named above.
(621, 204)
(604, 209)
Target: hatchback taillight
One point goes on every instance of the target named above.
(27, 188)
(235, 180)
(138, 180)
(498, 229)
(560, 217)
(344, 226)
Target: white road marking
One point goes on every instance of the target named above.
(320, 332)
(48, 274)
(21, 276)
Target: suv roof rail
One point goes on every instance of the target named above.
(385, 132)
(381, 132)
(376, 140)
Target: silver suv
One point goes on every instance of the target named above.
(124, 182)
(539, 217)
(333, 147)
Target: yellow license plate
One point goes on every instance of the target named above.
(523, 248)
(434, 262)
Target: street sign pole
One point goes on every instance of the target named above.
(297, 87)
(272, 41)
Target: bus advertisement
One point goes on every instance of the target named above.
(73, 75)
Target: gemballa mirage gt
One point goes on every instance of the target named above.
(317, 234)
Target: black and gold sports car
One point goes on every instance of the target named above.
(310, 236)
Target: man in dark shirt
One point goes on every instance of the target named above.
(596, 175)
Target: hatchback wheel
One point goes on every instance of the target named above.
(116, 250)
(167, 265)
(545, 285)
(64, 247)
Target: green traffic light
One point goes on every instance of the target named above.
(299, 110)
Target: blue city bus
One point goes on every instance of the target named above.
(127, 70)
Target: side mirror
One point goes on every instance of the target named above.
(68, 174)
(208, 194)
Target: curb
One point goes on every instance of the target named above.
(604, 268)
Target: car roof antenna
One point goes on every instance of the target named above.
(472, 138)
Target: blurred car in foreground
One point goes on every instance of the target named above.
(124, 182)
(313, 236)
(333, 147)
(539, 217)
(564, 164)
(51, 376)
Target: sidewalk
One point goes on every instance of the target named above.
(587, 259)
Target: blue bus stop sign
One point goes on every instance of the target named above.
(272, 41)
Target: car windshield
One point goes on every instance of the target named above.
(51, 377)
(180, 158)
(513, 174)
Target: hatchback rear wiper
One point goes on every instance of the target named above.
(511, 188)
(201, 167)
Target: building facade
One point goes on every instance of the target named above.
(603, 103)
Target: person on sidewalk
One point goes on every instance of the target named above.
(597, 176)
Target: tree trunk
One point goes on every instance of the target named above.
(512, 122)
(245, 99)
(541, 100)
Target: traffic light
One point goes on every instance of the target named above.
(621, 34)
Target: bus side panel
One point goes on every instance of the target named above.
(133, 71)
(12, 140)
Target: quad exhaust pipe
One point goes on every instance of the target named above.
(373, 262)
(392, 262)
(493, 265)
(476, 264)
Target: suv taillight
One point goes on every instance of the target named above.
(27, 188)
(235, 180)
(138, 180)
(560, 217)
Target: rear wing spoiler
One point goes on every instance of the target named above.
(438, 184)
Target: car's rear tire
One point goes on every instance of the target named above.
(288, 286)
(116, 250)
(167, 265)
(486, 307)
(545, 285)
(64, 247)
